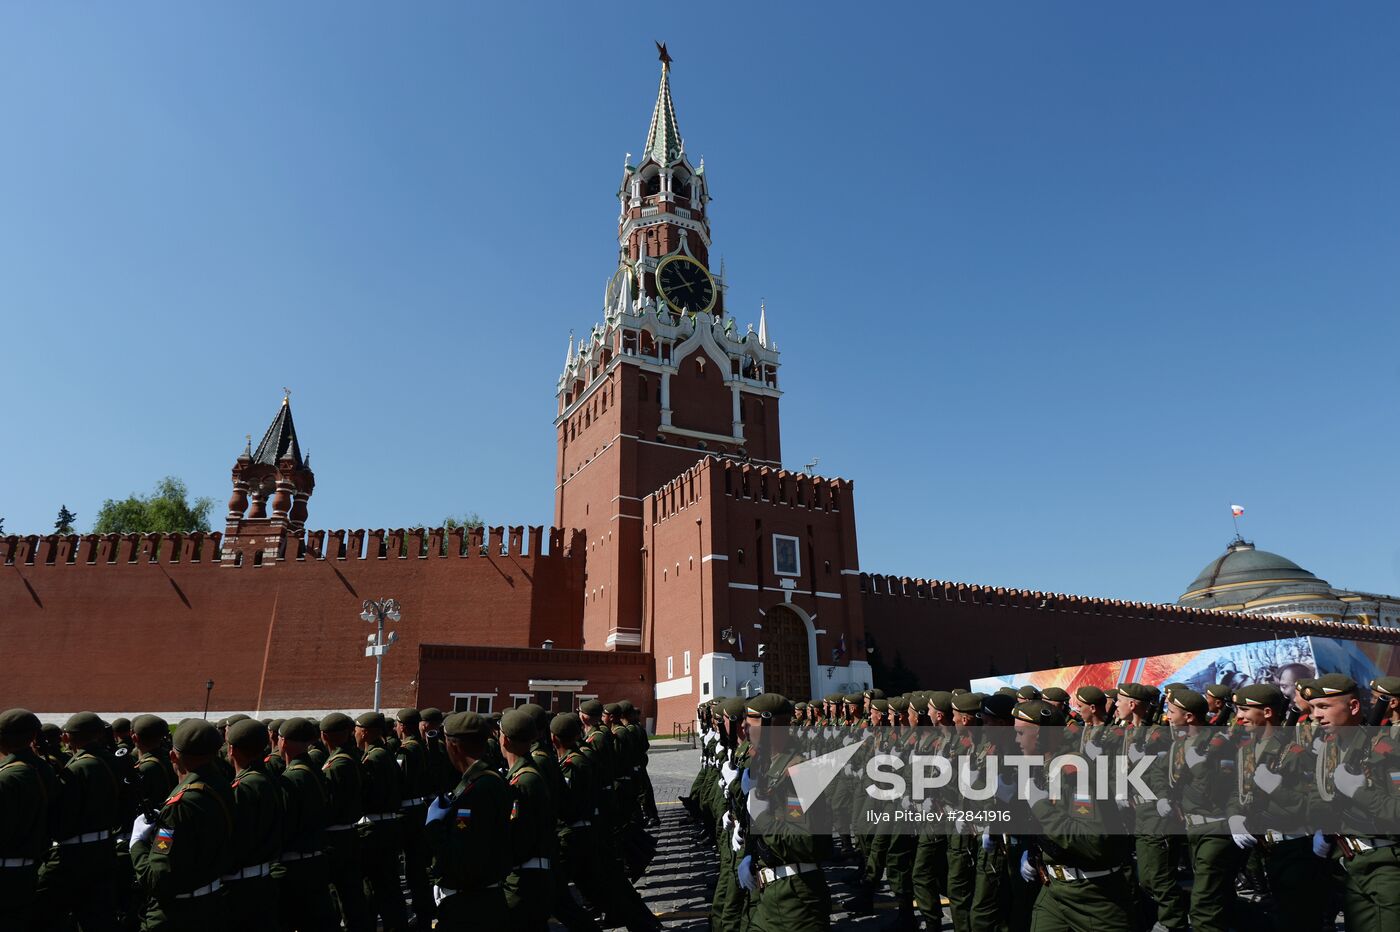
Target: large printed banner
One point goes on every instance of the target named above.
(1282, 661)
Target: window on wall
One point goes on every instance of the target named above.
(787, 557)
(472, 702)
(670, 667)
(687, 663)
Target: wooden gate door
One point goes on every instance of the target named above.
(785, 660)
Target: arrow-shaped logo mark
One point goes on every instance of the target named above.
(811, 777)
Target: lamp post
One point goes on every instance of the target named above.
(208, 688)
(375, 612)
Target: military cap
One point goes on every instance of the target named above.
(121, 724)
(275, 724)
(1111, 694)
(297, 728)
(197, 737)
(999, 705)
(835, 697)
(1139, 691)
(466, 725)
(1054, 694)
(882, 705)
(592, 708)
(51, 732)
(248, 735)
(1007, 691)
(82, 723)
(234, 719)
(798, 705)
(732, 708)
(267, 722)
(374, 720)
(1172, 687)
(612, 708)
(518, 725)
(875, 693)
(1028, 692)
(768, 705)
(1300, 687)
(150, 727)
(854, 698)
(1189, 700)
(920, 702)
(899, 704)
(626, 707)
(19, 725)
(539, 715)
(408, 718)
(959, 691)
(1333, 684)
(1090, 694)
(968, 702)
(493, 717)
(1260, 695)
(1218, 691)
(431, 715)
(1038, 712)
(566, 725)
(335, 723)
(941, 700)
(1388, 686)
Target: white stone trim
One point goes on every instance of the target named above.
(672, 688)
(625, 637)
(556, 685)
(714, 556)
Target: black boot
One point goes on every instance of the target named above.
(862, 902)
(904, 920)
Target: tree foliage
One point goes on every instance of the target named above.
(64, 524)
(167, 510)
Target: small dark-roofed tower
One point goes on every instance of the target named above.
(271, 486)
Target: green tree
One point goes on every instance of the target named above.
(64, 524)
(167, 510)
(467, 521)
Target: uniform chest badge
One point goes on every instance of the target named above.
(464, 819)
(794, 807)
(164, 839)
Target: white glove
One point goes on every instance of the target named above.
(719, 784)
(988, 844)
(1006, 789)
(747, 879)
(727, 822)
(1321, 846)
(1164, 807)
(1348, 781)
(1028, 873)
(141, 830)
(729, 772)
(1092, 750)
(746, 780)
(736, 844)
(1266, 779)
(1242, 838)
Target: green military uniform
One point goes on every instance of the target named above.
(418, 789)
(965, 846)
(155, 777)
(29, 797)
(469, 862)
(1081, 848)
(79, 875)
(529, 885)
(259, 811)
(302, 874)
(931, 851)
(783, 856)
(381, 838)
(180, 857)
(442, 776)
(730, 906)
(1154, 827)
(344, 783)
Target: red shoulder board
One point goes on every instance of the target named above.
(267, 758)
(175, 798)
(1217, 741)
(1295, 749)
(235, 784)
(1118, 732)
(1383, 746)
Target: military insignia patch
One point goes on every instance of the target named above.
(1083, 806)
(794, 807)
(1395, 779)
(164, 839)
(514, 809)
(464, 819)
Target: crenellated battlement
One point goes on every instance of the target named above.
(516, 541)
(1000, 597)
(759, 484)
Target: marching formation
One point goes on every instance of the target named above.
(1237, 778)
(299, 824)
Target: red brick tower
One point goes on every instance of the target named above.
(274, 476)
(665, 379)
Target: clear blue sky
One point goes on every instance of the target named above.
(1054, 282)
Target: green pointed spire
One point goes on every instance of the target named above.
(664, 136)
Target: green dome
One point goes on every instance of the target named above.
(1243, 574)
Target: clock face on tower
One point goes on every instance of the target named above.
(685, 284)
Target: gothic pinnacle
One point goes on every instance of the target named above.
(664, 143)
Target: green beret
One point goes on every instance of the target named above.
(494, 717)
(150, 727)
(941, 700)
(1261, 695)
(880, 705)
(1387, 686)
(875, 693)
(798, 705)
(732, 708)
(372, 720)
(51, 732)
(768, 705)
(1333, 684)
(1189, 700)
(567, 726)
(968, 702)
(1300, 686)
(612, 708)
(121, 724)
(1054, 694)
(274, 725)
(465, 725)
(1038, 712)
(959, 691)
(998, 705)
(335, 723)
(267, 722)
(1218, 691)
(518, 725)
(899, 704)
(1172, 687)
(297, 728)
(197, 738)
(854, 698)
(408, 718)
(1028, 692)
(1007, 691)
(920, 703)
(1091, 695)
(538, 715)
(626, 707)
(248, 735)
(19, 725)
(1111, 693)
(83, 723)
(592, 708)
(431, 715)
(1139, 691)
(835, 697)
(235, 718)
